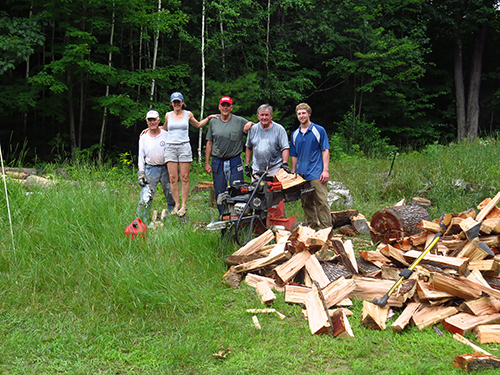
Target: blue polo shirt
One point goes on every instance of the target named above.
(308, 149)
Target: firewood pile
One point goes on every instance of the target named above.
(456, 284)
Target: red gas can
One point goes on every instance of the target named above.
(136, 229)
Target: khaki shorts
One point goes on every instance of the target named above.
(179, 153)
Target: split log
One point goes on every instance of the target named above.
(485, 265)
(338, 290)
(256, 244)
(318, 319)
(458, 286)
(290, 268)
(430, 226)
(315, 271)
(319, 238)
(338, 245)
(396, 255)
(488, 207)
(396, 222)
(300, 236)
(474, 250)
(492, 225)
(463, 323)
(476, 362)
(374, 316)
(376, 257)
(340, 218)
(266, 311)
(256, 322)
(288, 180)
(428, 316)
(360, 224)
(264, 291)
(418, 239)
(488, 333)
(349, 249)
(259, 263)
(402, 321)
(481, 306)
(348, 230)
(426, 292)
(368, 289)
(470, 227)
(460, 264)
(341, 326)
(463, 340)
(419, 201)
(296, 293)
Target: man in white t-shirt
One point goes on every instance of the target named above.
(267, 145)
(152, 167)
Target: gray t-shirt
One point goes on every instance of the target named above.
(267, 145)
(227, 137)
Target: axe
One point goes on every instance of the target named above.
(406, 273)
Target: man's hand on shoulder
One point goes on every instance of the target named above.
(248, 126)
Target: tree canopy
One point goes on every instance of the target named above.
(416, 71)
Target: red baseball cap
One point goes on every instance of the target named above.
(226, 99)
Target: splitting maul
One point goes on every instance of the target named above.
(406, 273)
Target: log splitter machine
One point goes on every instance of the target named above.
(254, 207)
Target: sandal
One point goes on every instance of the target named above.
(182, 211)
(175, 210)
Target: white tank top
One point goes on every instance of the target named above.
(178, 130)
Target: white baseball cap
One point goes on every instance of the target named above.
(152, 114)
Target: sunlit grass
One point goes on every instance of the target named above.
(78, 298)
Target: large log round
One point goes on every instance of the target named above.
(393, 223)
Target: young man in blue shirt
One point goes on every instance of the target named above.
(310, 154)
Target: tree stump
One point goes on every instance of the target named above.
(393, 223)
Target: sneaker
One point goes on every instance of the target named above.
(182, 211)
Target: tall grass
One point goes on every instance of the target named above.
(78, 298)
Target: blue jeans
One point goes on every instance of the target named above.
(154, 174)
(224, 172)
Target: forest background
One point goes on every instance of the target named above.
(77, 76)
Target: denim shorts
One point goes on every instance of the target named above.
(179, 153)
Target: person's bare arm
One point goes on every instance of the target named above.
(198, 124)
(248, 126)
(294, 164)
(325, 175)
(165, 124)
(285, 154)
(248, 155)
(208, 152)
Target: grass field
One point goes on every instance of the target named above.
(78, 298)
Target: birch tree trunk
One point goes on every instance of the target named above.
(105, 110)
(459, 89)
(155, 55)
(267, 36)
(222, 40)
(200, 137)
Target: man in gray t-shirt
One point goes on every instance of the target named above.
(224, 145)
(267, 144)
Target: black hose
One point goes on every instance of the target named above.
(238, 223)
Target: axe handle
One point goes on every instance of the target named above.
(426, 251)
